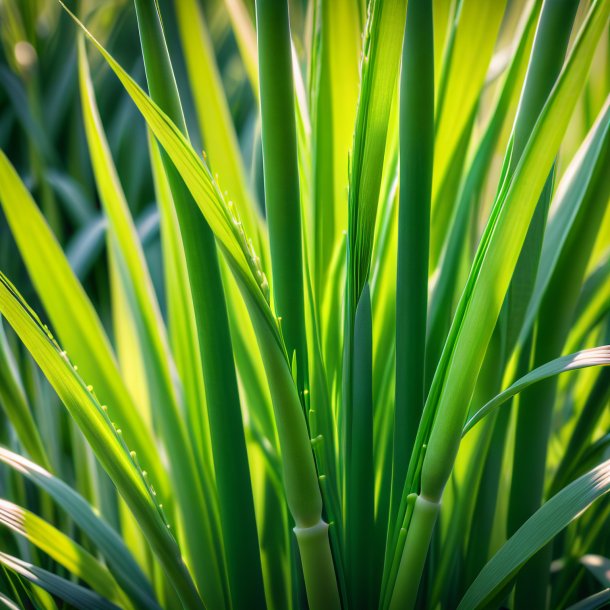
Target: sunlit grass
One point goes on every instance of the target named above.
(287, 292)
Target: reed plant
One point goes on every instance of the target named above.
(287, 292)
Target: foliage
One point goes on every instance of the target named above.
(288, 289)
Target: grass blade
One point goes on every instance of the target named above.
(416, 158)
(120, 562)
(135, 280)
(597, 356)
(106, 440)
(236, 506)
(64, 589)
(72, 314)
(280, 164)
(62, 549)
(535, 533)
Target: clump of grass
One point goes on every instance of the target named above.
(287, 381)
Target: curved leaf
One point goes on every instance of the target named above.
(107, 441)
(535, 533)
(62, 549)
(64, 589)
(120, 561)
(72, 314)
(597, 356)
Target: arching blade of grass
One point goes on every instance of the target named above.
(72, 315)
(445, 287)
(548, 53)
(222, 218)
(481, 301)
(224, 156)
(106, 440)
(197, 514)
(119, 560)
(535, 533)
(552, 329)
(65, 551)
(73, 594)
(597, 356)
(15, 404)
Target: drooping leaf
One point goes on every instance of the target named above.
(597, 356)
(65, 551)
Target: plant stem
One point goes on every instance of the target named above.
(300, 477)
(360, 521)
(416, 158)
(280, 167)
(239, 532)
(414, 553)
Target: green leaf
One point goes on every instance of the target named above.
(64, 589)
(597, 356)
(535, 533)
(238, 536)
(106, 440)
(597, 600)
(281, 175)
(214, 117)
(65, 551)
(180, 314)
(111, 546)
(14, 402)
(380, 62)
(224, 219)
(194, 508)
(566, 204)
(73, 317)
(496, 259)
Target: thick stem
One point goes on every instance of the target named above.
(280, 167)
(318, 568)
(238, 523)
(300, 477)
(414, 553)
(416, 157)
